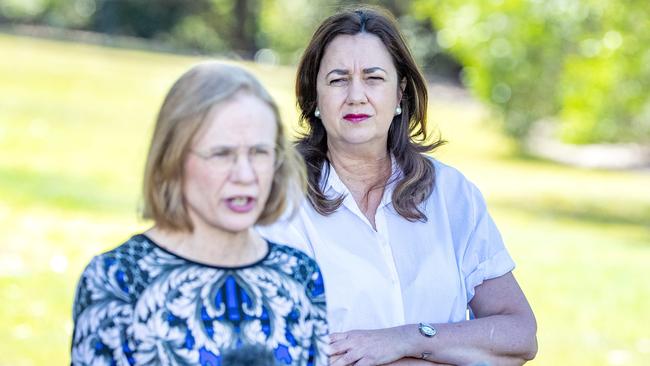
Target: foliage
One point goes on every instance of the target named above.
(581, 62)
(287, 25)
(272, 31)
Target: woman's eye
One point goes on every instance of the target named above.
(220, 154)
(261, 151)
(375, 78)
(337, 81)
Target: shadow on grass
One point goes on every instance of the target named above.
(591, 212)
(518, 155)
(27, 188)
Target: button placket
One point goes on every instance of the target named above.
(387, 252)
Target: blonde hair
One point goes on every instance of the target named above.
(182, 115)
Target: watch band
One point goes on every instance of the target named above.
(427, 330)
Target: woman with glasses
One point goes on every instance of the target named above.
(201, 285)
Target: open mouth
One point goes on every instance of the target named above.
(241, 204)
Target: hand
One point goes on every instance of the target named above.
(415, 362)
(367, 347)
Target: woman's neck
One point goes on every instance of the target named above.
(363, 166)
(212, 246)
(364, 174)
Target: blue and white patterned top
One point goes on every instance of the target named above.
(142, 305)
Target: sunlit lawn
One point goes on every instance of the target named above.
(74, 127)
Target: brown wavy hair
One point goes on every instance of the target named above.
(183, 114)
(407, 135)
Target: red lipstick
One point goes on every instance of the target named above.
(355, 118)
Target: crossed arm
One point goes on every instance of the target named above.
(503, 333)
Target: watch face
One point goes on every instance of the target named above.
(427, 330)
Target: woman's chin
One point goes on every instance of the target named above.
(237, 220)
(238, 225)
(363, 137)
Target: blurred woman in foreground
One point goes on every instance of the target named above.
(201, 285)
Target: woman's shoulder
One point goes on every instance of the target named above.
(296, 264)
(292, 254)
(134, 248)
(114, 270)
(447, 173)
(124, 257)
(449, 179)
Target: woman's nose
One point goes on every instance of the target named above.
(243, 170)
(357, 92)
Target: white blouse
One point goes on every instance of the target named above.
(404, 272)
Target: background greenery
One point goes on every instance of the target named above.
(585, 63)
(582, 65)
(75, 121)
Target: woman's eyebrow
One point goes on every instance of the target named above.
(338, 72)
(221, 147)
(370, 70)
(234, 147)
(344, 72)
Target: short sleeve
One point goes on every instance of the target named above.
(485, 256)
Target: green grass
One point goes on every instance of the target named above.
(74, 127)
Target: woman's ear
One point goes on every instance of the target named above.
(400, 91)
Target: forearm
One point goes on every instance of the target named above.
(504, 333)
(492, 340)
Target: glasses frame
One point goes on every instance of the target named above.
(207, 157)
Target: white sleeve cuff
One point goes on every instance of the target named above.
(496, 266)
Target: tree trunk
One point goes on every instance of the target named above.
(245, 27)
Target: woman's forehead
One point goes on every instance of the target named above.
(356, 52)
(244, 120)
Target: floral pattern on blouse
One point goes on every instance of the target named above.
(142, 305)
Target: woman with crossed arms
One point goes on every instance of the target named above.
(405, 242)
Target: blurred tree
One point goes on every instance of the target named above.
(246, 27)
(204, 25)
(580, 62)
(280, 27)
(141, 19)
(286, 25)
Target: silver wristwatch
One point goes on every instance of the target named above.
(427, 330)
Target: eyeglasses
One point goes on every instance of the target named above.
(262, 158)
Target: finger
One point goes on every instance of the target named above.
(335, 337)
(337, 360)
(348, 358)
(365, 361)
(338, 348)
(334, 358)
